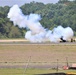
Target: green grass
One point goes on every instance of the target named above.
(8, 71)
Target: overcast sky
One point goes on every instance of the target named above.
(21, 2)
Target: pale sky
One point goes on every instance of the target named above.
(21, 2)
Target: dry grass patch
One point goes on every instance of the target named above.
(19, 54)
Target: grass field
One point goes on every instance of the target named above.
(32, 71)
(14, 58)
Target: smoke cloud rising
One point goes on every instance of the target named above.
(36, 32)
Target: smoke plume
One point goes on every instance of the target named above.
(36, 32)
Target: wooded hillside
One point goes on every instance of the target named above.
(62, 13)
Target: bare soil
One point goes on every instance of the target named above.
(37, 55)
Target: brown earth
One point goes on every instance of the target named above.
(37, 55)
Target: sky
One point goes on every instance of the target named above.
(21, 2)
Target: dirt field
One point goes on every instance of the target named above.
(45, 55)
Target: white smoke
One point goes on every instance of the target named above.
(37, 33)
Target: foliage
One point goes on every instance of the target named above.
(62, 13)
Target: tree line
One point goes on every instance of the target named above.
(62, 13)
